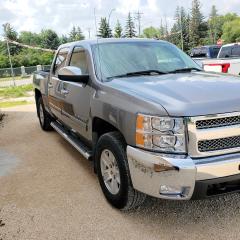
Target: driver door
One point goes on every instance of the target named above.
(55, 97)
(76, 105)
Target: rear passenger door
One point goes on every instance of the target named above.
(76, 107)
(55, 98)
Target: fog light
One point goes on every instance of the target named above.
(171, 190)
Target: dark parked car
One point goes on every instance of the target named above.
(205, 51)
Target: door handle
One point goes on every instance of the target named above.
(64, 91)
(50, 85)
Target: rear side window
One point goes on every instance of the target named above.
(236, 51)
(79, 59)
(60, 60)
(225, 52)
(214, 52)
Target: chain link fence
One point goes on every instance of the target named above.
(6, 72)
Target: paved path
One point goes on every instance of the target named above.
(52, 193)
(18, 82)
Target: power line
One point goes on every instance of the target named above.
(31, 47)
(138, 16)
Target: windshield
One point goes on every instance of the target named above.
(115, 59)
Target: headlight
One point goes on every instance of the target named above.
(160, 133)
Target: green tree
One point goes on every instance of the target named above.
(29, 38)
(104, 30)
(231, 31)
(64, 39)
(198, 28)
(151, 32)
(118, 30)
(49, 39)
(130, 31)
(214, 25)
(79, 35)
(76, 34)
(180, 30)
(9, 32)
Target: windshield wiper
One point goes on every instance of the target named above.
(183, 70)
(139, 73)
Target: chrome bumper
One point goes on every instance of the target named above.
(175, 176)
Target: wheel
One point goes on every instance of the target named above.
(44, 117)
(113, 172)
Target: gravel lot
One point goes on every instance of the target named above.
(48, 191)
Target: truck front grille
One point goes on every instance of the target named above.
(219, 144)
(214, 135)
(218, 122)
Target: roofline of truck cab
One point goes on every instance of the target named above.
(109, 40)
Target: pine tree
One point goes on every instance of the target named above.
(72, 34)
(104, 30)
(162, 31)
(64, 39)
(215, 27)
(180, 30)
(130, 31)
(76, 34)
(9, 32)
(79, 35)
(118, 30)
(198, 28)
(49, 39)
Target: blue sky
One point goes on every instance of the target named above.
(61, 15)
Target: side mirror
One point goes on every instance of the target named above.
(72, 74)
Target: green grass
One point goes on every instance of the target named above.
(13, 104)
(16, 92)
(15, 78)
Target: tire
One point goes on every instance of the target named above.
(122, 195)
(44, 117)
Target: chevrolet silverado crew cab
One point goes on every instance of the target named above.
(149, 118)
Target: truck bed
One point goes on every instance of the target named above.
(222, 65)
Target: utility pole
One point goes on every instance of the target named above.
(109, 15)
(138, 18)
(89, 33)
(181, 29)
(10, 61)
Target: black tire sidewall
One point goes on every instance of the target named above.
(40, 103)
(120, 199)
(46, 124)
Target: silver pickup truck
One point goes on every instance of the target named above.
(149, 118)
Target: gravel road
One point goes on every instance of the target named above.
(48, 191)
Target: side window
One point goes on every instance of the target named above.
(79, 59)
(236, 51)
(225, 52)
(60, 60)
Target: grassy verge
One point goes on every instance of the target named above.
(15, 78)
(13, 104)
(16, 92)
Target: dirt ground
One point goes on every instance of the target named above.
(48, 191)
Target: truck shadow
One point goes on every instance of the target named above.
(182, 214)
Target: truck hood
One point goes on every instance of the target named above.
(185, 94)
